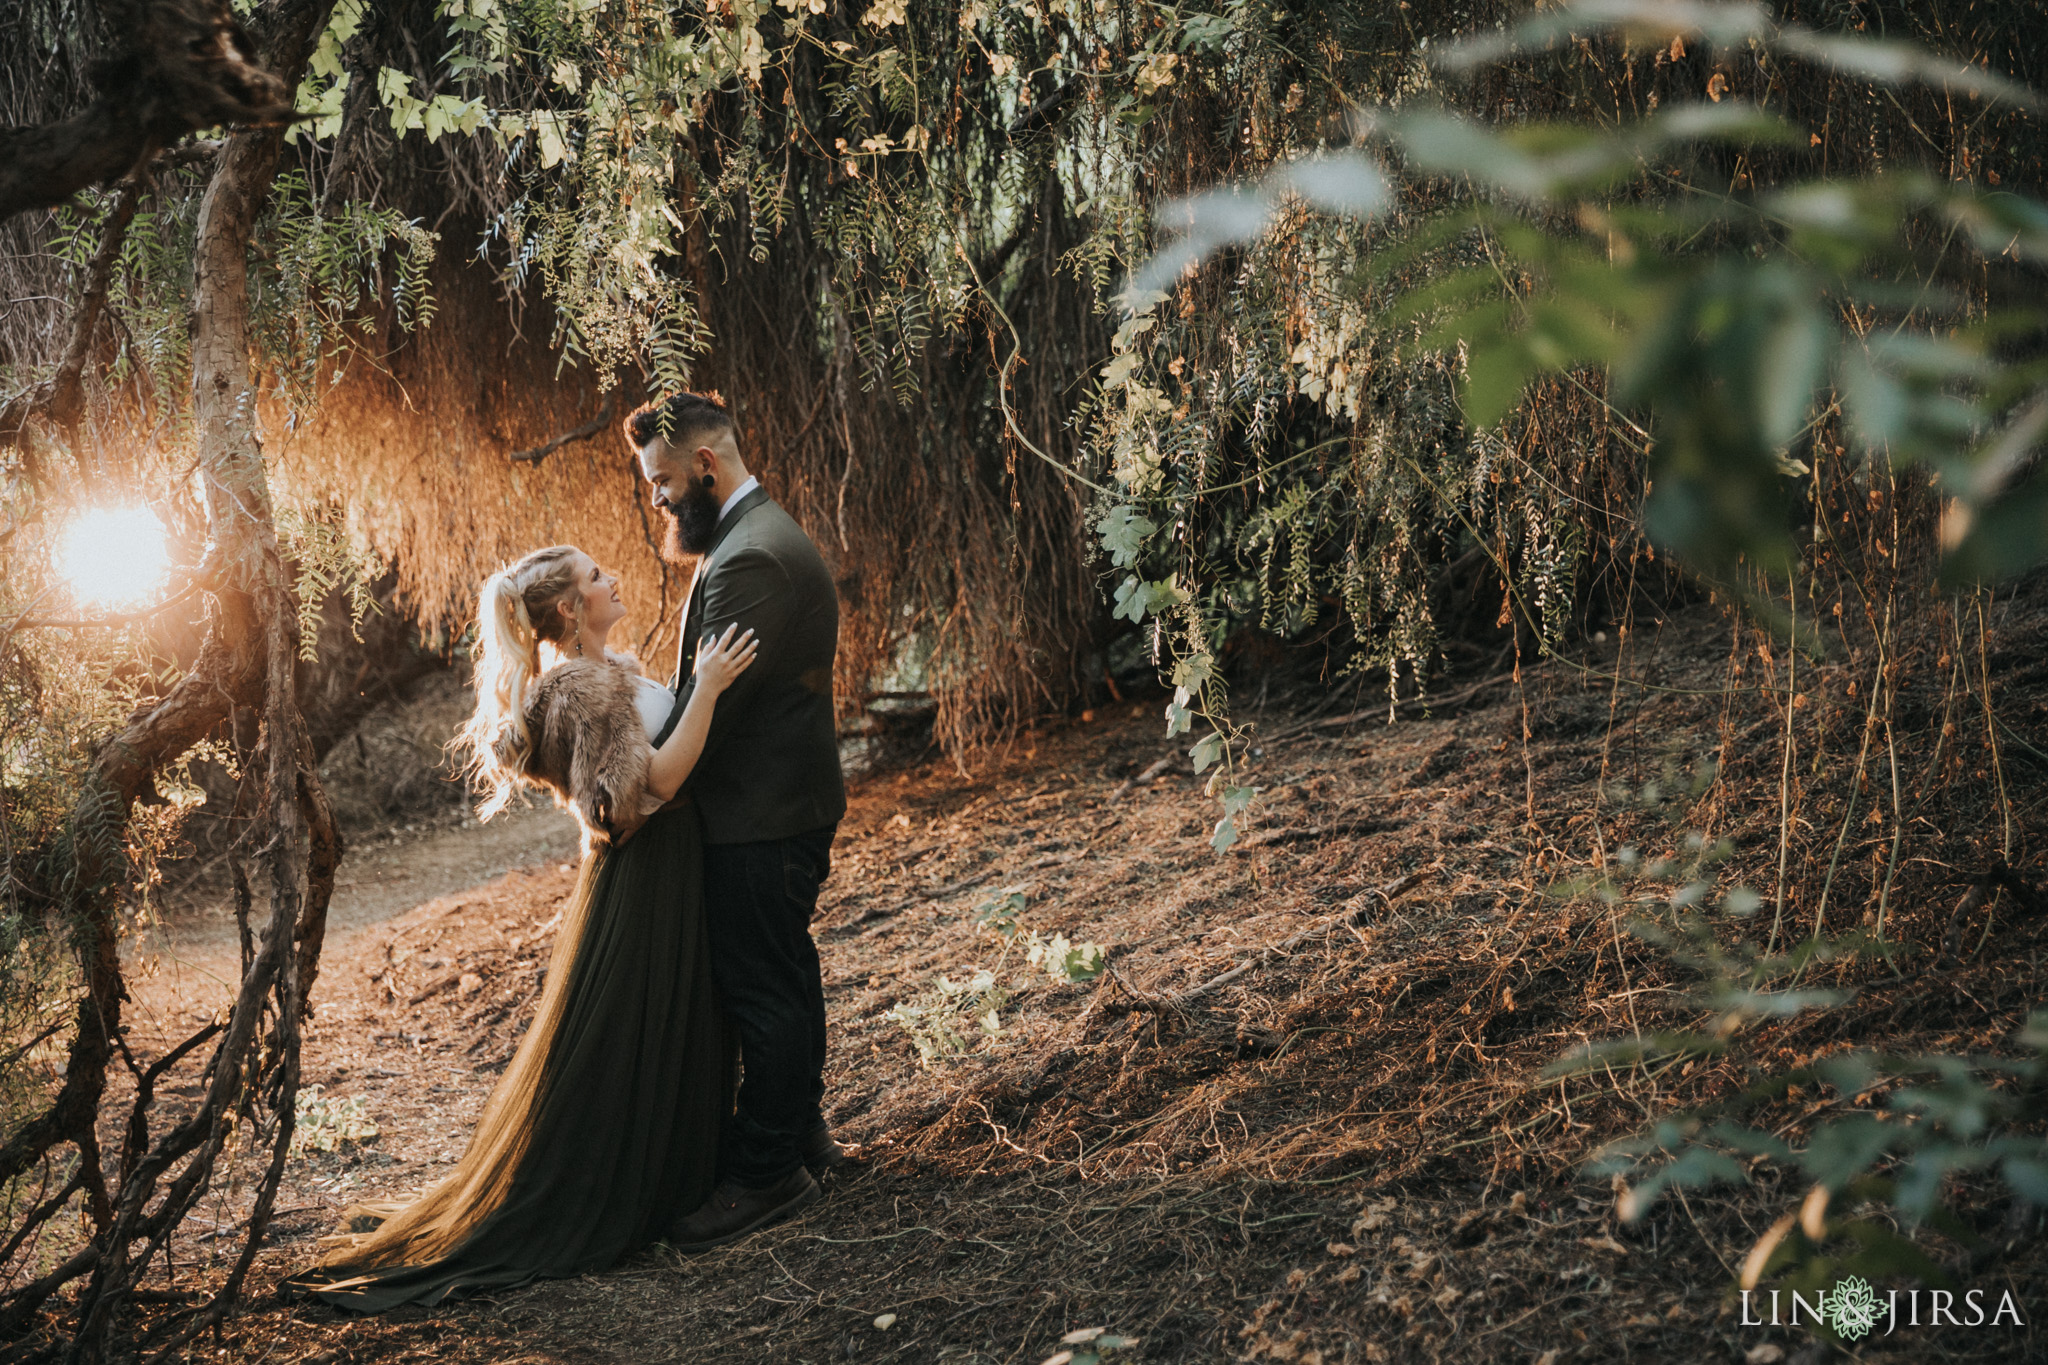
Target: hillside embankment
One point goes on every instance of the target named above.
(1302, 1117)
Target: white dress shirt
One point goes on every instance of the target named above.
(749, 486)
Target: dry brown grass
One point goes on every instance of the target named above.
(1347, 1151)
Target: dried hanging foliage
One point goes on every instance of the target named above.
(866, 410)
(814, 209)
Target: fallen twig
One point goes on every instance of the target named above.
(1294, 834)
(232, 1228)
(1145, 778)
(436, 986)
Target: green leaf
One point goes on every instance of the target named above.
(1919, 1187)
(1207, 752)
(1741, 901)
(1717, 25)
(1497, 370)
(1124, 533)
(2001, 539)
(1840, 1151)
(1461, 295)
(1896, 63)
(1208, 32)
(1119, 369)
(2034, 1033)
(1754, 1141)
(1884, 1252)
(1789, 368)
(1130, 600)
(2028, 1178)
(1237, 800)
(1851, 1073)
(1224, 835)
(1451, 145)
(1136, 597)
(998, 914)
(1350, 184)
(1080, 962)
(1417, 242)
(1192, 673)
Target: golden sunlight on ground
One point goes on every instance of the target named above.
(114, 556)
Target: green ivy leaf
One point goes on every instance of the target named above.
(1497, 369)
(1192, 673)
(1237, 800)
(2028, 1177)
(1123, 534)
(1224, 835)
(1120, 369)
(1130, 600)
(1842, 1150)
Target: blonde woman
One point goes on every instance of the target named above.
(602, 1133)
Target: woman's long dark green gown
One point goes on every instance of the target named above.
(603, 1130)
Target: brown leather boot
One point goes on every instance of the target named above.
(733, 1211)
(821, 1152)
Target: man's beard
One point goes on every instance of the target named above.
(691, 524)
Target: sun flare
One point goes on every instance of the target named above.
(114, 557)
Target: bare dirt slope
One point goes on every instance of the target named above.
(1341, 1153)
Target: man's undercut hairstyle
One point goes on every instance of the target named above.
(684, 420)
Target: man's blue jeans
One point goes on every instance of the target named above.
(758, 903)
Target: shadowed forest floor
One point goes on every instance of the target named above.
(1344, 1153)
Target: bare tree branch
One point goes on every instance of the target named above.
(189, 65)
(61, 397)
(572, 435)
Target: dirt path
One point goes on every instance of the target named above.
(390, 871)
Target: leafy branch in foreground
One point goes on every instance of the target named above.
(1894, 1130)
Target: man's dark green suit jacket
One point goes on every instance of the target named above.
(770, 767)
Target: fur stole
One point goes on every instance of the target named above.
(589, 744)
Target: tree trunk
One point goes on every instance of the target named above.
(248, 659)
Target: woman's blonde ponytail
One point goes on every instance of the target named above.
(496, 738)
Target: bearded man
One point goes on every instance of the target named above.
(770, 793)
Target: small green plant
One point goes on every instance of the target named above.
(942, 1021)
(1064, 962)
(1067, 963)
(998, 914)
(326, 1123)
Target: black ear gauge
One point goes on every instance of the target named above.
(710, 479)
